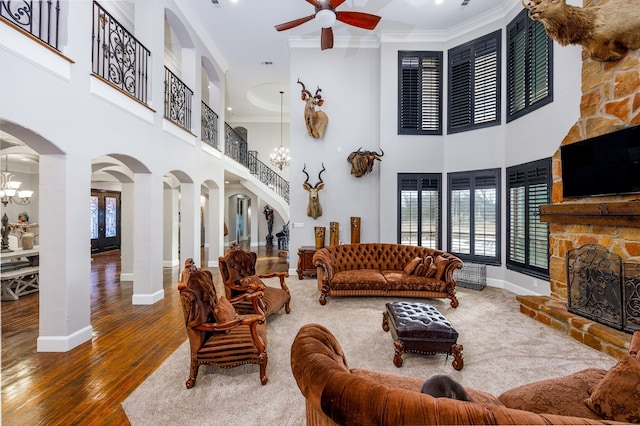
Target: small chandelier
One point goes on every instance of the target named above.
(280, 155)
(9, 189)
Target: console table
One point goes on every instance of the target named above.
(305, 262)
(20, 277)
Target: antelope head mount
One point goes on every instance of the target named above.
(315, 120)
(314, 209)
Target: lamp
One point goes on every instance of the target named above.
(280, 155)
(326, 18)
(9, 188)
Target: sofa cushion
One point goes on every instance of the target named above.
(563, 395)
(224, 310)
(617, 395)
(441, 264)
(411, 266)
(398, 280)
(359, 279)
(415, 384)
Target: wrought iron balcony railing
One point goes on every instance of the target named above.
(117, 56)
(41, 19)
(209, 124)
(177, 100)
(236, 147)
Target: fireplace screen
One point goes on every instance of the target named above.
(595, 285)
(632, 296)
(598, 289)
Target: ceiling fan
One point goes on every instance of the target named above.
(326, 15)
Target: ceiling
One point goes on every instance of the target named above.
(256, 57)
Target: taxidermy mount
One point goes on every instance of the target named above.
(362, 161)
(315, 120)
(314, 209)
(606, 32)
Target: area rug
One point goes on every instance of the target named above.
(503, 348)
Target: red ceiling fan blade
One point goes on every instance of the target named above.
(315, 3)
(335, 3)
(326, 39)
(294, 23)
(358, 19)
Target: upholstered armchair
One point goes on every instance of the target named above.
(217, 334)
(238, 270)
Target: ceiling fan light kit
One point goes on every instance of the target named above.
(326, 18)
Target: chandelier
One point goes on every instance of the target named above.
(9, 189)
(280, 155)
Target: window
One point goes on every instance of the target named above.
(474, 84)
(474, 219)
(419, 206)
(528, 187)
(419, 93)
(529, 66)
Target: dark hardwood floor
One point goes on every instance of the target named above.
(88, 384)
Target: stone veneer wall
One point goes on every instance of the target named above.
(610, 101)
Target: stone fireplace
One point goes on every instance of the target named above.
(610, 101)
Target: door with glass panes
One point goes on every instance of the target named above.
(105, 221)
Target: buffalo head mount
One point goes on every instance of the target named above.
(606, 31)
(314, 209)
(315, 120)
(362, 161)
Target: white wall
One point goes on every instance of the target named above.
(348, 79)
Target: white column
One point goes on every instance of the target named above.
(189, 222)
(147, 239)
(170, 228)
(126, 232)
(65, 253)
(216, 226)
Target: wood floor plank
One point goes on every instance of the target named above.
(88, 384)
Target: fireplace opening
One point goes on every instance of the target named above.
(602, 288)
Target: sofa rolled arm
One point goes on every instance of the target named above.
(322, 259)
(453, 263)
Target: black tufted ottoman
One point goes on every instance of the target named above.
(418, 327)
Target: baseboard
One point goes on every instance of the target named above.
(147, 299)
(64, 343)
(126, 276)
(170, 263)
(506, 285)
(213, 264)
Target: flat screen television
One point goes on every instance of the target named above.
(603, 165)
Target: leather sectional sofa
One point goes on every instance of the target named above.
(379, 269)
(336, 394)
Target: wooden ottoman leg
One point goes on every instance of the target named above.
(458, 361)
(397, 356)
(385, 321)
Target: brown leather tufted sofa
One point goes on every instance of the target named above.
(380, 269)
(338, 395)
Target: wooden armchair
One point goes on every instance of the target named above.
(238, 270)
(217, 334)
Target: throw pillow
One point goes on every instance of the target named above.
(441, 264)
(559, 396)
(224, 310)
(411, 266)
(427, 263)
(616, 396)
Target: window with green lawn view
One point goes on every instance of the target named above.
(419, 207)
(528, 187)
(474, 215)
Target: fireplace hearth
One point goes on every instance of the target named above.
(601, 288)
